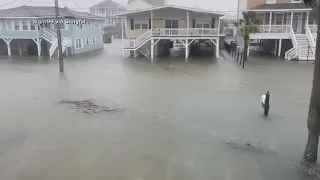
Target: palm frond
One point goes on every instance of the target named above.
(312, 3)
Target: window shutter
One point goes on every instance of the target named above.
(194, 23)
(132, 24)
(150, 25)
(213, 23)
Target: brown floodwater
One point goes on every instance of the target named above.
(180, 120)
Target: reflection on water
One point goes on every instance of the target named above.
(179, 117)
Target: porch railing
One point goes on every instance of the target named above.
(311, 40)
(313, 28)
(274, 28)
(184, 32)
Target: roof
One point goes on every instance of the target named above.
(170, 6)
(281, 7)
(44, 12)
(152, 2)
(108, 4)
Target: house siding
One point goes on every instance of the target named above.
(254, 3)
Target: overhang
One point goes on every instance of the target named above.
(283, 7)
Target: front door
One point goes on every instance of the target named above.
(297, 23)
(171, 27)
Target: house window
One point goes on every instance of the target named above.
(78, 43)
(206, 25)
(87, 41)
(32, 25)
(9, 25)
(16, 25)
(198, 25)
(93, 40)
(99, 39)
(25, 25)
(271, 1)
(279, 19)
(141, 24)
(261, 18)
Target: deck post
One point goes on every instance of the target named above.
(270, 19)
(275, 47)
(217, 47)
(291, 19)
(307, 19)
(188, 23)
(152, 49)
(39, 47)
(20, 52)
(187, 49)
(280, 44)
(8, 41)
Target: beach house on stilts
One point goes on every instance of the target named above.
(149, 30)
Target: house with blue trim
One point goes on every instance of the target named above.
(32, 30)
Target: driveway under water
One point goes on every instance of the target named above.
(178, 121)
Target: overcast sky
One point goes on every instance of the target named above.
(214, 5)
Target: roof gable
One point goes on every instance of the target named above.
(43, 12)
(152, 2)
(108, 4)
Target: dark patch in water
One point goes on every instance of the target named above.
(88, 106)
(247, 146)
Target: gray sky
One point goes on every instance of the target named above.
(214, 5)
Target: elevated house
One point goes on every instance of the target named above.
(286, 28)
(108, 9)
(32, 30)
(150, 30)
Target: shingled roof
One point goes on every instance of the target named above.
(152, 2)
(108, 4)
(44, 12)
(281, 6)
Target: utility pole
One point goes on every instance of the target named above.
(236, 36)
(61, 66)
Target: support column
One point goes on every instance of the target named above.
(217, 48)
(188, 23)
(38, 43)
(270, 20)
(280, 46)
(291, 19)
(152, 49)
(187, 50)
(307, 19)
(20, 49)
(151, 19)
(8, 41)
(275, 47)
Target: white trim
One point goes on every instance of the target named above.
(171, 6)
(279, 10)
(296, 1)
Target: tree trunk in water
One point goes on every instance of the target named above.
(311, 151)
(245, 49)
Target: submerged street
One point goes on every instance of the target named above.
(178, 121)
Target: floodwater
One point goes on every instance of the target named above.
(181, 121)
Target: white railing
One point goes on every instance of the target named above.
(48, 34)
(293, 37)
(310, 39)
(292, 53)
(274, 28)
(184, 32)
(142, 38)
(313, 28)
(53, 46)
(66, 42)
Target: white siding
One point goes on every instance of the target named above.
(138, 4)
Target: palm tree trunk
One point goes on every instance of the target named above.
(313, 121)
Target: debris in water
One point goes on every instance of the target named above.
(88, 106)
(246, 146)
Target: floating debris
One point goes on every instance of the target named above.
(247, 146)
(88, 106)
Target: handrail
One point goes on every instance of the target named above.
(142, 37)
(291, 53)
(310, 39)
(293, 37)
(274, 28)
